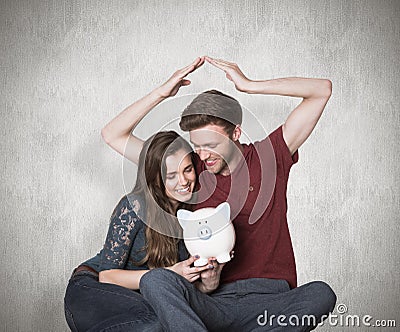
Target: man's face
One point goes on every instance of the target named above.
(214, 147)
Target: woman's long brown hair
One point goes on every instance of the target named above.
(163, 231)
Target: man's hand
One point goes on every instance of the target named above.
(210, 277)
(232, 72)
(171, 87)
(303, 119)
(189, 273)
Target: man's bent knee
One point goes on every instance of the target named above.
(323, 295)
(158, 278)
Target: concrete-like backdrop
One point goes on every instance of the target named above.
(68, 67)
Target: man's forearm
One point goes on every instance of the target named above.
(291, 86)
(202, 287)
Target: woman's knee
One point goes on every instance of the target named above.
(67, 310)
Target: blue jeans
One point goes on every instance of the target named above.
(93, 306)
(245, 305)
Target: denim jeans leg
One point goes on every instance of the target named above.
(106, 307)
(260, 310)
(180, 306)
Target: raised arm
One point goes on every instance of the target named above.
(302, 120)
(118, 132)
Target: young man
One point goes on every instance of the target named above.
(260, 284)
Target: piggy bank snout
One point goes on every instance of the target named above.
(204, 232)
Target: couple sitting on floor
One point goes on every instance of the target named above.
(144, 279)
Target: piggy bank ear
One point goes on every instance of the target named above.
(183, 216)
(225, 209)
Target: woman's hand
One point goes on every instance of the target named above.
(232, 72)
(190, 273)
(171, 87)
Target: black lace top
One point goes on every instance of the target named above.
(126, 238)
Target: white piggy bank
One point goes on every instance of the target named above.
(208, 232)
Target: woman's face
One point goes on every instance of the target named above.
(180, 177)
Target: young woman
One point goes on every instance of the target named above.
(103, 293)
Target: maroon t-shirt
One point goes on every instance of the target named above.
(256, 192)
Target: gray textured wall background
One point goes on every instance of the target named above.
(68, 67)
